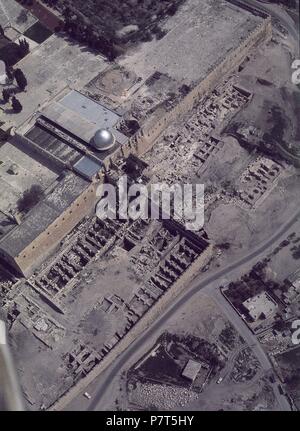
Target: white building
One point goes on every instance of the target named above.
(260, 306)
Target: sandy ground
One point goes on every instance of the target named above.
(202, 318)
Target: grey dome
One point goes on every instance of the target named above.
(103, 140)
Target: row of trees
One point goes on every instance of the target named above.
(23, 44)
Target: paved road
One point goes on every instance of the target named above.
(186, 296)
(278, 14)
(251, 340)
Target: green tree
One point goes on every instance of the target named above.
(21, 79)
(17, 107)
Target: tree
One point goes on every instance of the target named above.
(17, 107)
(21, 79)
(24, 47)
(30, 198)
(5, 95)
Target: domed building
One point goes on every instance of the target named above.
(103, 140)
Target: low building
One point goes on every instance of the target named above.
(260, 306)
(191, 370)
(11, 14)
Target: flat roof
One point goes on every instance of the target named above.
(191, 369)
(82, 117)
(29, 170)
(10, 15)
(44, 213)
(87, 167)
(260, 304)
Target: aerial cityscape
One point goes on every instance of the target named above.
(149, 205)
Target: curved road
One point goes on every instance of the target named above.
(119, 362)
(279, 15)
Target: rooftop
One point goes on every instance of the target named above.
(50, 68)
(44, 213)
(14, 15)
(294, 279)
(83, 117)
(191, 370)
(87, 167)
(260, 305)
(19, 171)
